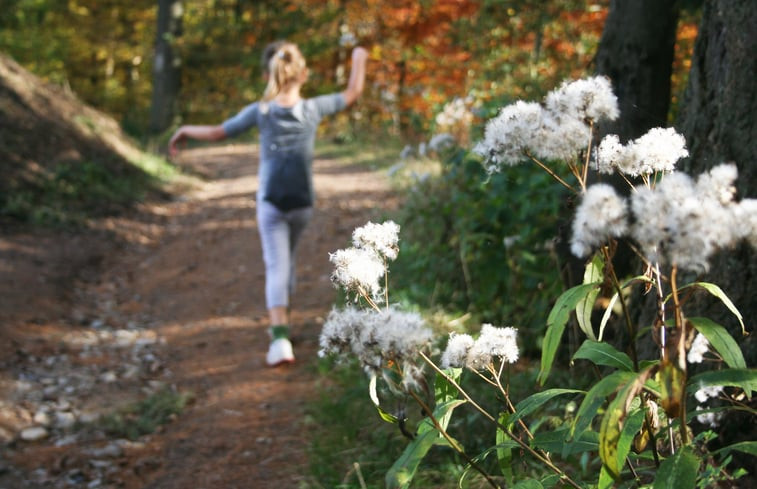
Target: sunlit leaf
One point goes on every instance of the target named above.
(718, 293)
(584, 308)
(603, 354)
(535, 401)
(679, 471)
(721, 341)
(749, 447)
(596, 397)
(743, 378)
(556, 321)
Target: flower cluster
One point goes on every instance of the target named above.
(377, 338)
(711, 419)
(557, 129)
(681, 221)
(360, 268)
(698, 348)
(656, 151)
(493, 342)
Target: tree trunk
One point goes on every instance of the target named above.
(166, 66)
(636, 53)
(718, 120)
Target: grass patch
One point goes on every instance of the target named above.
(145, 416)
(373, 155)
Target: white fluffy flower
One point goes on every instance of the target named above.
(601, 215)
(745, 220)
(589, 98)
(441, 141)
(510, 133)
(610, 155)
(456, 353)
(500, 342)
(493, 342)
(358, 269)
(381, 238)
(376, 338)
(657, 151)
(561, 137)
(707, 392)
(718, 184)
(699, 347)
(678, 223)
(710, 419)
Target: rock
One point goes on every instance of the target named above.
(34, 433)
(64, 419)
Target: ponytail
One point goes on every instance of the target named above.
(285, 67)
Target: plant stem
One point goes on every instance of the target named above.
(452, 442)
(523, 445)
(551, 173)
(626, 315)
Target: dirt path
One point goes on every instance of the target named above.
(189, 279)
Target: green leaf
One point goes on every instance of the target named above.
(633, 425)
(610, 430)
(749, 447)
(606, 316)
(743, 378)
(403, 470)
(603, 354)
(535, 401)
(528, 484)
(585, 306)
(401, 473)
(678, 471)
(718, 293)
(556, 321)
(504, 453)
(557, 441)
(596, 397)
(386, 416)
(721, 341)
(606, 481)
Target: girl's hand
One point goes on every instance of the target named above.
(173, 144)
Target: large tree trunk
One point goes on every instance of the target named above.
(166, 66)
(718, 119)
(636, 53)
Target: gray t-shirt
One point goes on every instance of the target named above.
(287, 140)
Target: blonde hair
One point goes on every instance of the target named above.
(285, 67)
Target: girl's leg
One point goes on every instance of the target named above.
(298, 220)
(274, 237)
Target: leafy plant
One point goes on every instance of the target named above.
(145, 416)
(637, 414)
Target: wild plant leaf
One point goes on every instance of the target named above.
(556, 321)
(596, 397)
(721, 341)
(633, 425)
(528, 484)
(612, 443)
(603, 354)
(606, 481)
(718, 293)
(606, 316)
(372, 392)
(403, 470)
(745, 378)
(749, 447)
(535, 401)
(678, 471)
(558, 441)
(504, 453)
(592, 275)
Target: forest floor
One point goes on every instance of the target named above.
(170, 295)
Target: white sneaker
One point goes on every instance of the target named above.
(279, 352)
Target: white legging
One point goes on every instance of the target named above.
(279, 233)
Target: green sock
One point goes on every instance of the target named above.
(280, 331)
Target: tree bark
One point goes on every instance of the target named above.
(718, 120)
(166, 66)
(636, 53)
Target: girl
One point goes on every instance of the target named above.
(287, 125)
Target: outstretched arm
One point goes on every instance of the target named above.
(357, 75)
(203, 133)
